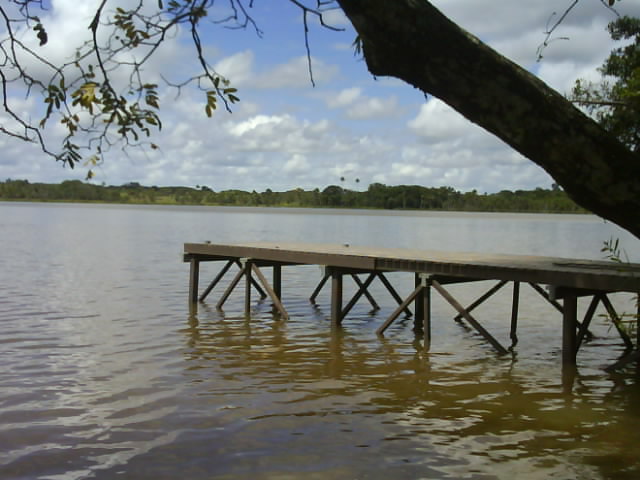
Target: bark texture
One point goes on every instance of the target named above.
(413, 41)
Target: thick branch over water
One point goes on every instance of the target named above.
(413, 41)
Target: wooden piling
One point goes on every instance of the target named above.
(426, 311)
(419, 315)
(569, 325)
(194, 275)
(277, 280)
(247, 286)
(514, 314)
(336, 296)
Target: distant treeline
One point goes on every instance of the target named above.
(377, 195)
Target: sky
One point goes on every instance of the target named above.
(350, 129)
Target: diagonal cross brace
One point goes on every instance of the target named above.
(467, 316)
(277, 303)
(361, 291)
(402, 307)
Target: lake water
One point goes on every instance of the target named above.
(106, 374)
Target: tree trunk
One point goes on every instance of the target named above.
(413, 41)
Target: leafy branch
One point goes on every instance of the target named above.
(105, 97)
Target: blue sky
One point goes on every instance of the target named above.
(286, 134)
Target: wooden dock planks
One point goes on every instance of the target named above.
(574, 273)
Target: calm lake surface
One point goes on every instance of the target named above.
(105, 373)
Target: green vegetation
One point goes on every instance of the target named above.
(626, 323)
(615, 101)
(410, 197)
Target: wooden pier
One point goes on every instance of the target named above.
(560, 281)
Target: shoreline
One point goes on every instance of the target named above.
(338, 210)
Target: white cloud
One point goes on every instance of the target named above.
(295, 74)
(240, 69)
(344, 97)
(335, 18)
(273, 133)
(438, 122)
(297, 163)
(454, 151)
(237, 68)
(517, 30)
(257, 123)
(66, 24)
(367, 108)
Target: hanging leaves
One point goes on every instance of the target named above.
(104, 94)
(41, 34)
(211, 103)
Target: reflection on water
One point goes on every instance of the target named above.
(343, 403)
(106, 374)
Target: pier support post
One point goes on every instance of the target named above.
(246, 264)
(277, 285)
(426, 310)
(277, 281)
(336, 296)
(569, 325)
(513, 334)
(194, 275)
(418, 318)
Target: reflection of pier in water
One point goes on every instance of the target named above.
(567, 280)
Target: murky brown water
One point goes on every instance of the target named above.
(106, 374)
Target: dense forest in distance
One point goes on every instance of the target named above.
(377, 195)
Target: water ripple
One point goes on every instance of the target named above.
(105, 373)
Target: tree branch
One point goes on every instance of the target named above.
(415, 42)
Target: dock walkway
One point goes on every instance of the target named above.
(566, 280)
